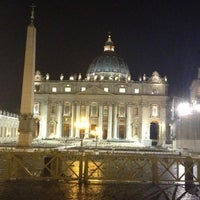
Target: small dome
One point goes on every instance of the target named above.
(108, 66)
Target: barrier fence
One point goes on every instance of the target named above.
(90, 167)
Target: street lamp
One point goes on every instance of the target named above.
(82, 125)
(184, 109)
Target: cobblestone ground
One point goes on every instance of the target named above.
(53, 190)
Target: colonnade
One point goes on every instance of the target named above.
(112, 116)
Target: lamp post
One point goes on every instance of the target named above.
(82, 125)
(82, 134)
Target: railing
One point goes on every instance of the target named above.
(99, 167)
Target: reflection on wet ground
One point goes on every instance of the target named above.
(55, 190)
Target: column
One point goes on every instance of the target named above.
(87, 117)
(110, 109)
(43, 120)
(128, 122)
(115, 123)
(162, 132)
(145, 133)
(59, 125)
(100, 121)
(72, 128)
(77, 135)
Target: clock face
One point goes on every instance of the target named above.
(37, 78)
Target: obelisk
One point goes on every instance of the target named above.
(26, 120)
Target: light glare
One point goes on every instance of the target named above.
(184, 109)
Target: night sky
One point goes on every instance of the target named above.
(149, 35)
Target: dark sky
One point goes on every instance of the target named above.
(149, 35)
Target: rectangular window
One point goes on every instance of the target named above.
(122, 90)
(54, 89)
(136, 90)
(83, 89)
(105, 89)
(67, 89)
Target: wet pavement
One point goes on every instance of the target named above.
(55, 190)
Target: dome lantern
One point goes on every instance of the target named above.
(109, 44)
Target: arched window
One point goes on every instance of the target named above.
(94, 110)
(67, 109)
(121, 111)
(52, 128)
(37, 108)
(154, 111)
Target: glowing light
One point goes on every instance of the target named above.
(82, 124)
(196, 107)
(184, 109)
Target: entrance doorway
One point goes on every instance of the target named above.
(121, 131)
(92, 130)
(154, 133)
(66, 129)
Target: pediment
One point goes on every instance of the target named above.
(94, 91)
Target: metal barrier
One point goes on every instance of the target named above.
(101, 167)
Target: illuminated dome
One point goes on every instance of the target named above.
(108, 66)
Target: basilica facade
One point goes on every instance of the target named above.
(105, 103)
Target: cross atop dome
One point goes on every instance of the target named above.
(109, 46)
